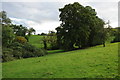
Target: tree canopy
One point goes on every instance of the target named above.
(80, 27)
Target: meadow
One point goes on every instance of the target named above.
(36, 40)
(93, 62)
(79, 29)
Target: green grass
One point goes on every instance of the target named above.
(36, 40)
(94, 62)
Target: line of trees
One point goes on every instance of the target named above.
(15, 41)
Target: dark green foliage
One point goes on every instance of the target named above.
(51, 40)
(30, 31)
(17, 50)
(19, 30)
(80, 27)
(31, 51)
(40, 52)
(27, 38)
(15, 45)
(17, 54)
(114, 32)
(117, 36)
(45, 43)
(42, 34)
(7, 54)
(4, 19)
(8, 35)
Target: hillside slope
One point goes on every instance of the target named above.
(36, 40)
(92, 62)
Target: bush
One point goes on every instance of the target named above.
(18, 50)
(40, 52)
(7, 55)
(27, 54)
(31, 51)
(17, 54)
(50, 40)
(29, 47)
(117, 37)
(20, 39)
(15, 45)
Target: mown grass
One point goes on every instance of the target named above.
(94, 62)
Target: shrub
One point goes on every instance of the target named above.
(15, 45)
(20, 39)
(29, 47)
(18, 50)
(117, 37)
(40, 52)
(7, 55)
(27, 54)
(17, 54)
(31, 51)
(51, 40)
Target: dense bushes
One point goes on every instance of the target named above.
(51, 40)
(7, 36)
(7, 55)
(17, 50)
(14, 39)
(117, 36)
(116, 39)
(17, 47)
(20, 39)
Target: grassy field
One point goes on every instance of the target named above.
(36, 40)
(94, 62)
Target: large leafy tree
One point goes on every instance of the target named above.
(19, 30)
(79, 26)
(30, 31)
(7, 32)
(3, 18)
(7, 35)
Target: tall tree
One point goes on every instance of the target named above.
(79, 26)
(19, 30)
(30, 31)
(7, 35)
(3, 18)
(7, 32)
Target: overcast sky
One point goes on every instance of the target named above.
(44, 15)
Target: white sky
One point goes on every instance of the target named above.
(43, 15)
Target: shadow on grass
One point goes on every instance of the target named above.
(55, 51)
